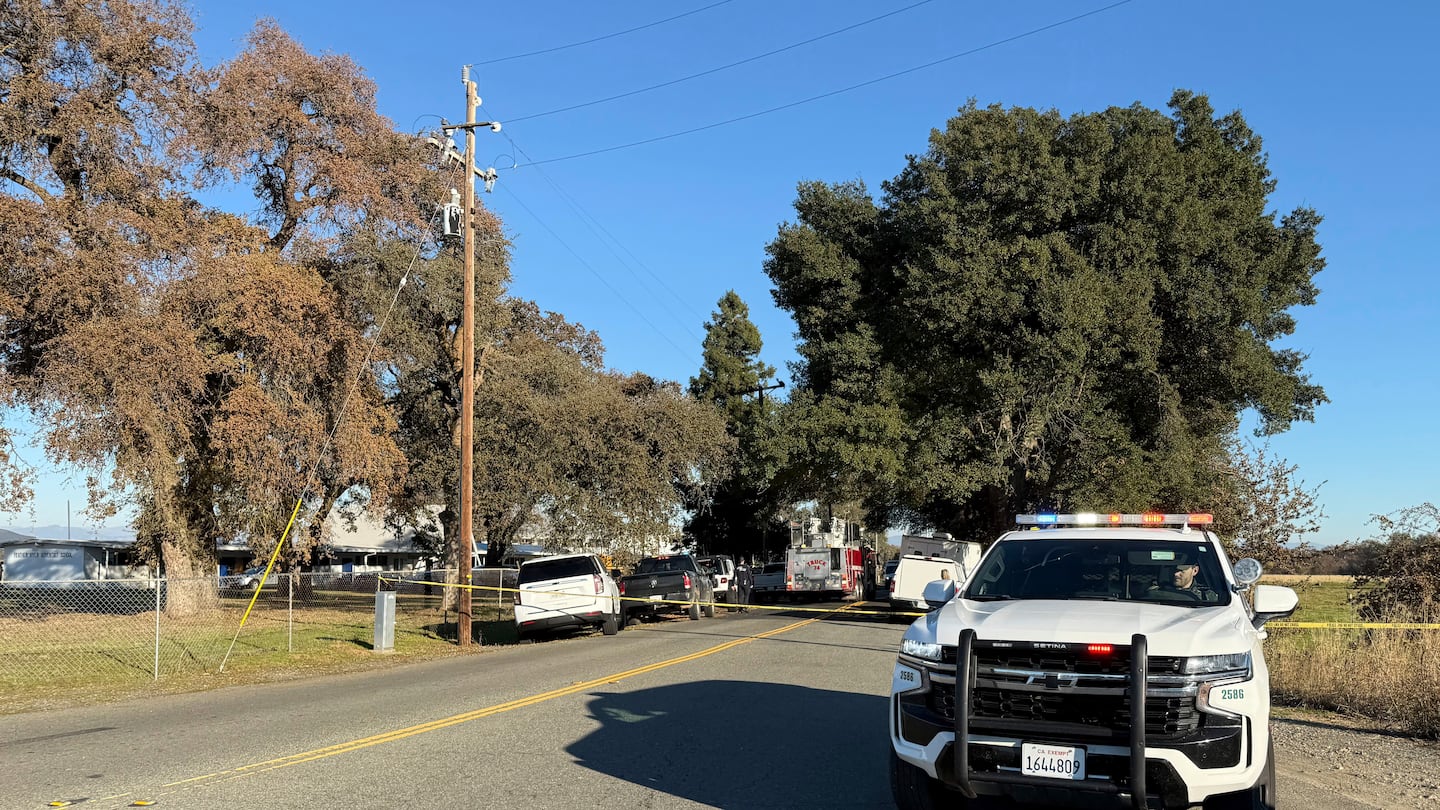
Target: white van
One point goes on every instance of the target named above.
(563, 592)
(907, 589)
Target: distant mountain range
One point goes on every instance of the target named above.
(75, 532)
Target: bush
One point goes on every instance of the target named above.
(1403, 580)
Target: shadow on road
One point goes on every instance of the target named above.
(741, 744)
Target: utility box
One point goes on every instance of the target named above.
(384, 621)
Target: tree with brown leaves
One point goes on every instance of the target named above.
(185, 348)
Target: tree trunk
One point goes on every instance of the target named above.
(190, 584)
(451, 602)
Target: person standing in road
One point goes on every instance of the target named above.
(744, 581)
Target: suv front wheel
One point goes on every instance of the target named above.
(913, 789)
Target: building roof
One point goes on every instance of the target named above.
(9, 538)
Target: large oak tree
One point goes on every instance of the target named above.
(1047, 312)
(220, 366)
(201, 358)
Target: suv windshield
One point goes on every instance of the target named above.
(542, 570)
(1161, 571)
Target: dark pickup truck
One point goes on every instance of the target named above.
(660, 582)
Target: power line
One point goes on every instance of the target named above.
(718, 69)
(884, 78)
(588, 218)
(587, 266)
(607, 36)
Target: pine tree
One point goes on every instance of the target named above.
(733, 515)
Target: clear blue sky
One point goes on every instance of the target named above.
(640, 243)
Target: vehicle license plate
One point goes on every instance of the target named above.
(656, 597)
(1052, 761)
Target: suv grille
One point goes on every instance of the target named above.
(1108, 714)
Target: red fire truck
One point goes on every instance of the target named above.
(825, 573)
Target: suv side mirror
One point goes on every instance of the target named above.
(938, 592)
(1273, 602)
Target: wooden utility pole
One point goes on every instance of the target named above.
(761, 389)
(464, 554)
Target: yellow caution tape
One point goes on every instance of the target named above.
(911, 614)
(645, 600)
(1355, 625)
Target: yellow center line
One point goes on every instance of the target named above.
(465, 717)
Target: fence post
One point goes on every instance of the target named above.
(290, 613)
(156, 582)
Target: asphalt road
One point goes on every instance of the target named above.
(756, 710)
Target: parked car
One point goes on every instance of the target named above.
(769, 582)
(887, 579)
(566, 591)
(667, 583)
(249, 579)
(722, 576)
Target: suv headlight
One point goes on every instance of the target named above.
(1216, 664)
(929, 651)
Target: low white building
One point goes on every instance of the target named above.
(365, 544)
(33, 559)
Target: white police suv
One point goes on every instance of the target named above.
(1091, 656)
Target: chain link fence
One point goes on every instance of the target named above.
(76, 633)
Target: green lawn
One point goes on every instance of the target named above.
(1322, 599)
(77, 657)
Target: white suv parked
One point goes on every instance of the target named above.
(722, 576)
(566, 591)
(1028, 680)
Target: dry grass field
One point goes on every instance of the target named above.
(1392, 676)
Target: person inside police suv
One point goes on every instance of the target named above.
(1183, 583)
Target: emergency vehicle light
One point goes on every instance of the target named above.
(1117, 519)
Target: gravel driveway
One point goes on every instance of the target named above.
(1375, 768)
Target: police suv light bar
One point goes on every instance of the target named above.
(1116, 519)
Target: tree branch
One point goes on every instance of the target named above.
(25, 182)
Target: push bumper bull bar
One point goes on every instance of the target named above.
(965, 668)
